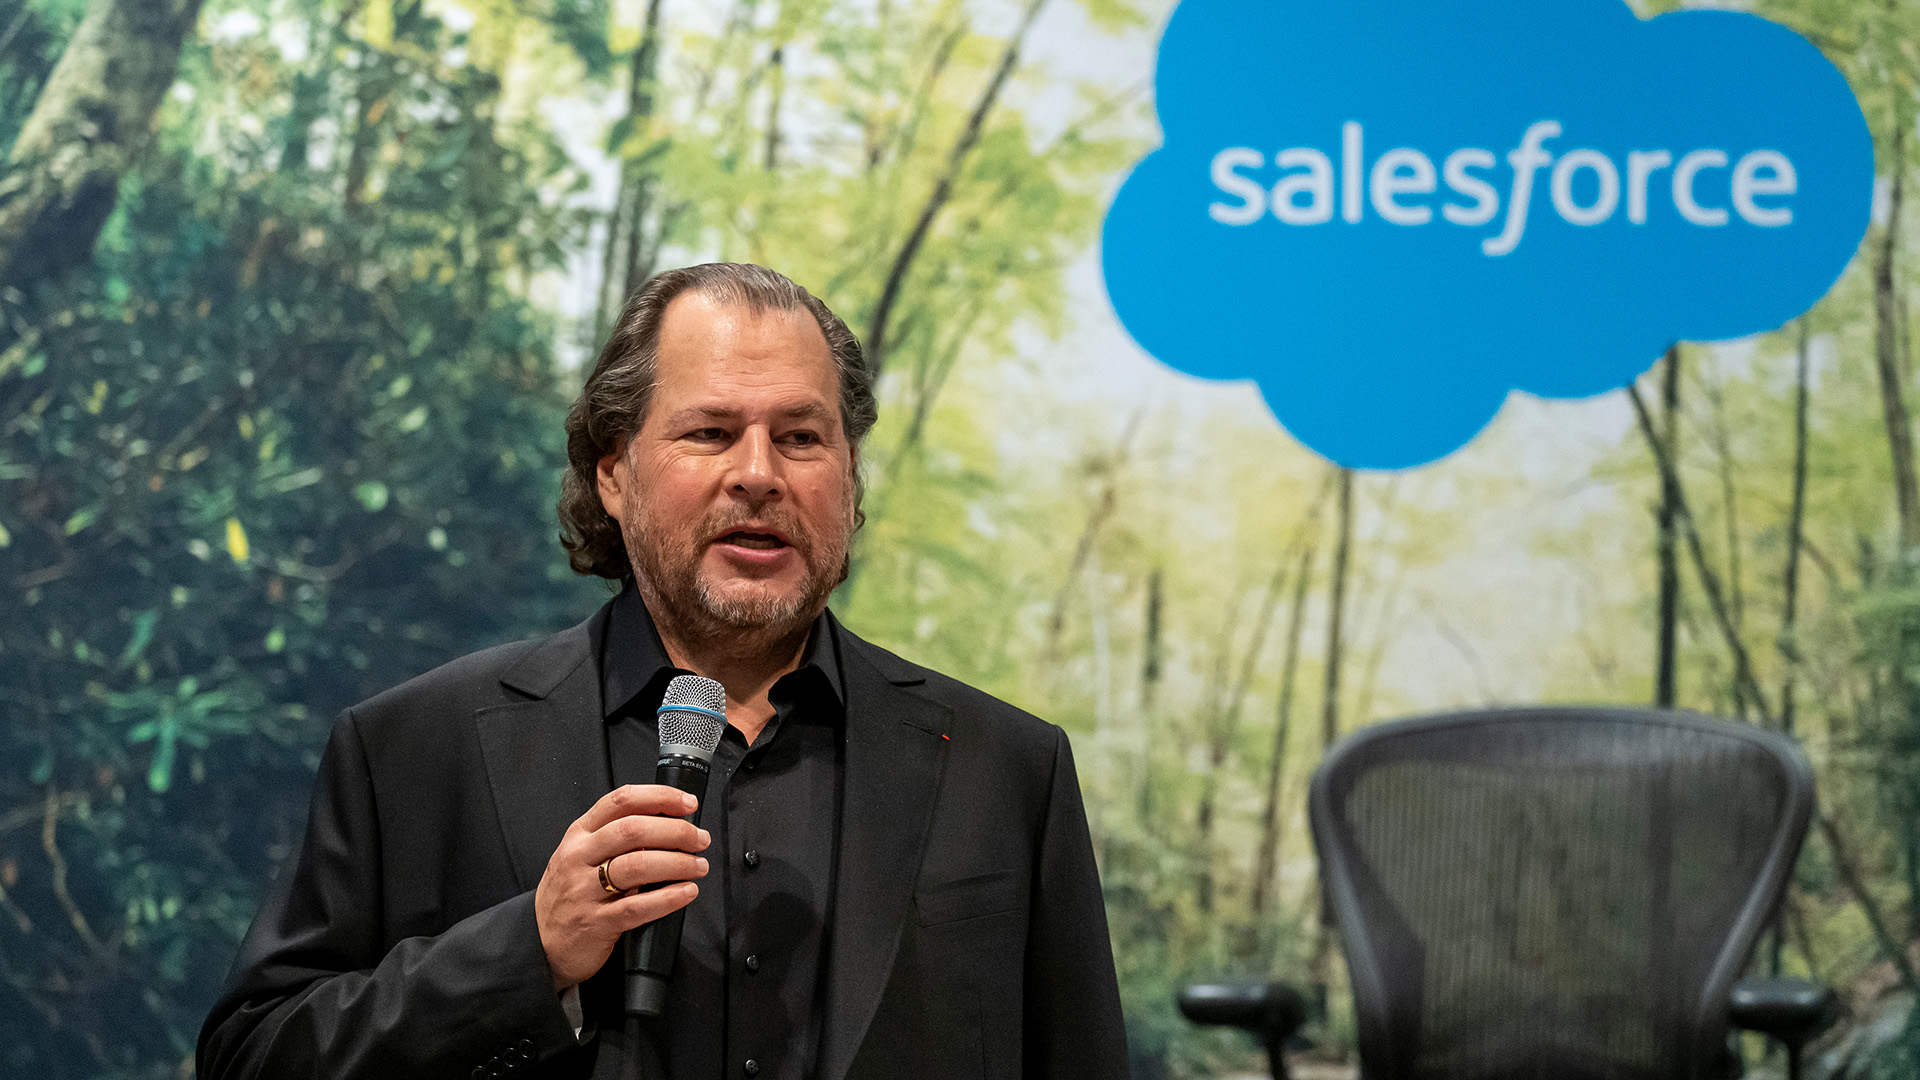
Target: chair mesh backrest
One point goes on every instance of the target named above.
(1553, 894)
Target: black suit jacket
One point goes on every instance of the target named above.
(968, 938)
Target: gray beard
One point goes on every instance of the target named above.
(758, 613)
(698, 611)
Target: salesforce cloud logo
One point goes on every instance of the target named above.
(1390, 213)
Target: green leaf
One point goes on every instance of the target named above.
(372, 495)
(160, 773)
(296, 481)
(414, 420)
(81, 519)
(143, 624)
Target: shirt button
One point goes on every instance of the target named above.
(751, 1068)
(753, 965)
(752, 857)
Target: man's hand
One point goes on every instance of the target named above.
(640, 828)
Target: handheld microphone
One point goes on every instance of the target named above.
(693, 716)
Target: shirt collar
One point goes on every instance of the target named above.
(635, 667)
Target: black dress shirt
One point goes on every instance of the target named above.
(743, 998)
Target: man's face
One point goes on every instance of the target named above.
(735, 497)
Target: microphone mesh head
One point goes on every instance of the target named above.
(687, 732)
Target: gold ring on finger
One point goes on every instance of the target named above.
(606, 880)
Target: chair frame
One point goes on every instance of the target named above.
(1379, 1052)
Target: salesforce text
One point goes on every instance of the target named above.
(1304, 193)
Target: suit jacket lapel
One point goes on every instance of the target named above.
(546, 758)
(894, 752)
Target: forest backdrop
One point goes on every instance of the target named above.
(291, 307)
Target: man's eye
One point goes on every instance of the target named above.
(802, 438)
(708, 434)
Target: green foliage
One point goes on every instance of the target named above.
(271, 454)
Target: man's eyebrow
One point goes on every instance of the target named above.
(811, 410)
(807, 410)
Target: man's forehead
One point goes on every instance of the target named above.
(694, 319)
(724, 361)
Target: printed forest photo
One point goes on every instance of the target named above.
(294, 296)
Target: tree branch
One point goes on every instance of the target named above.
(1709, 581)
(1850, 874)
(49, 842)
(87, 129)
(1103, 507)
(876, 340)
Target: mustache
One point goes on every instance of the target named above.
(789, 526)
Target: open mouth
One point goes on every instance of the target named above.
(757, 541)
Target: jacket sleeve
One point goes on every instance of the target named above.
(315, 991)
(1073, 1025)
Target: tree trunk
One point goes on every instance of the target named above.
(369, 105)
(87, 130)
(1226, 717)
(1667, 636)
(1330, 711)
(1342, 553)
(1709, 581)
(1104, 505)
(308, 100)
(1151, 660)
(1267, 860)
(1796, 535)
(1886, 350)
(1152, 667)
(776, 89)
(1730, 522)
(1210, 710)
(1790, 585)
(622, 260)
(1890, 361)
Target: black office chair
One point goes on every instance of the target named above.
(1551, 894)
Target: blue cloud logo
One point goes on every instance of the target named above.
(1390, 213)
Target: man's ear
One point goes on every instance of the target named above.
(611, 479)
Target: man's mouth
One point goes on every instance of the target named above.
(757, 541)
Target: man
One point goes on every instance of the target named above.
(893, 878)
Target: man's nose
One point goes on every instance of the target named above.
(755, 466)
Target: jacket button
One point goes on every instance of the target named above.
(752, 857)
(751, 1068)
(525, 1046)
(496, 1067)
(753, 965)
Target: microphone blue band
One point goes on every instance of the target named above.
(692, 709)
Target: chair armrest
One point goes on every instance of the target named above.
(1791, 1010)
(1272, 1011)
